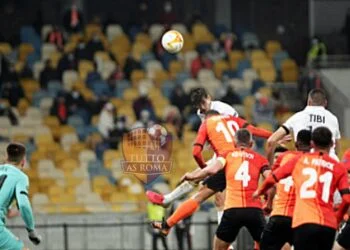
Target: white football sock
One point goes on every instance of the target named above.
(184, 188)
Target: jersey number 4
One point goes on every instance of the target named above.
(307, 193)
(229, 130)
(242, 174)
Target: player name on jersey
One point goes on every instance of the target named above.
(242, 154)
(317, 118)
(319, 163)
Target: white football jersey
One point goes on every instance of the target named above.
(313, 117)
(221, 107)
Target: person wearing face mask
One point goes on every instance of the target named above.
(216, 52)
(116, 135)
(75, 102)
(168, 17)
(143, 103)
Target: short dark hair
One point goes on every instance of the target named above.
(280, 149)
(15, 152)
(197, 95)
(322, 137)
(318, 96)
(243, 136)
(304, 137)
(211, 112)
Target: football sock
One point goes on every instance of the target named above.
(186, 209)
(220, 214)
(179, 191)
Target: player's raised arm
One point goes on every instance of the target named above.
(26, 209)
(201, 138)
(344, 190)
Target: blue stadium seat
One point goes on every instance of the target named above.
(28, 35)
(83, 131)
(181, 77)
(33, 58)
(101, 88)
(75, 121)
(278, 58)
(120, 87)
(54, 87)
(166, 58)
(95, 168)
(229, 74)
(38, 96)
(30, 148)
(167, 88)
(146, 57)
(242, 66)
(257, 84)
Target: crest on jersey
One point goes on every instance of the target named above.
(147, 153)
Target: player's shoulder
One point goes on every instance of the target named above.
(257, 156)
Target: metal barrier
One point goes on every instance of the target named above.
(69, 237)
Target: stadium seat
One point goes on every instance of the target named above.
(190, 84)
(45, 31)
(278, 58)
(160, 77)
(234, 57)
(189, 43)
(153, 65)
(205, 75)
(258, 54)
(180, 28)
(137, 76)
(175, 67)
(248, 103)
(67, 140)
(5, 48)
(47, 49)
(271, 47)
(290, 71)
(220, 67)
(113, 31)
(156, 31)
(38, 67)
(268, 75)
(69, 78)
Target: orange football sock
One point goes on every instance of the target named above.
(256, 245)
(186, 209)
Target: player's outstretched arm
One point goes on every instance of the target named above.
(26, 209)
(273, 140)
(259, 132)
(344, 190)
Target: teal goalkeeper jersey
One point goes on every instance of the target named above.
(14, 184)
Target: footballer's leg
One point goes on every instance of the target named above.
(343, 238)
(9, 241)
(183, 211)
(276, 233)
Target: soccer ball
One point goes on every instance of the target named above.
(172, 41)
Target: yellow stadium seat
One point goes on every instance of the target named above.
(234, 57)
(248, 103)
(22, 106)
(87, 94)
(24, 50)
(109, 156)
(160, 76)
(136, 76)
(290, 75)
(289, 64)
(122, 41)
(60, 156)
(99, 182)
(84, 68)
(102, 55)
(5, 48)
(268, 75)
(189, 43)
(175, 67)
(201, 34)
(272, 47)
(51, 121)
(91, 30)
(262, 64)
(69, 47)
(43, 139)
(130, 94)
(76, 148)
(144, 39)
(75, 38)
(220, 67)
(68, 164)
(55, 58)
(258, 55)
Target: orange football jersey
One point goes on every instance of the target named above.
(316, 176)
(284, 201)
(242, 170)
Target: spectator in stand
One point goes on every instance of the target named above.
(93, 76)
(7, 111)
(216, 52)
(317, 52)
(94, 45)
(60, 108)
(82, 52)
(25, 71)
(49, 73)
(75, 101)
(132, 62)
(116, 135)
(179, 98)
(67, 62)
(264, 110)
(73, 19)
(143, 103)
(56, 37)
(201, 62)
(231, 97)
(12, 91)
(168, 17)
(117, 74)
(145, 120)
(106, 120)
(8, 71)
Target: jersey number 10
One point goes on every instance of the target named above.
(229, 130)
